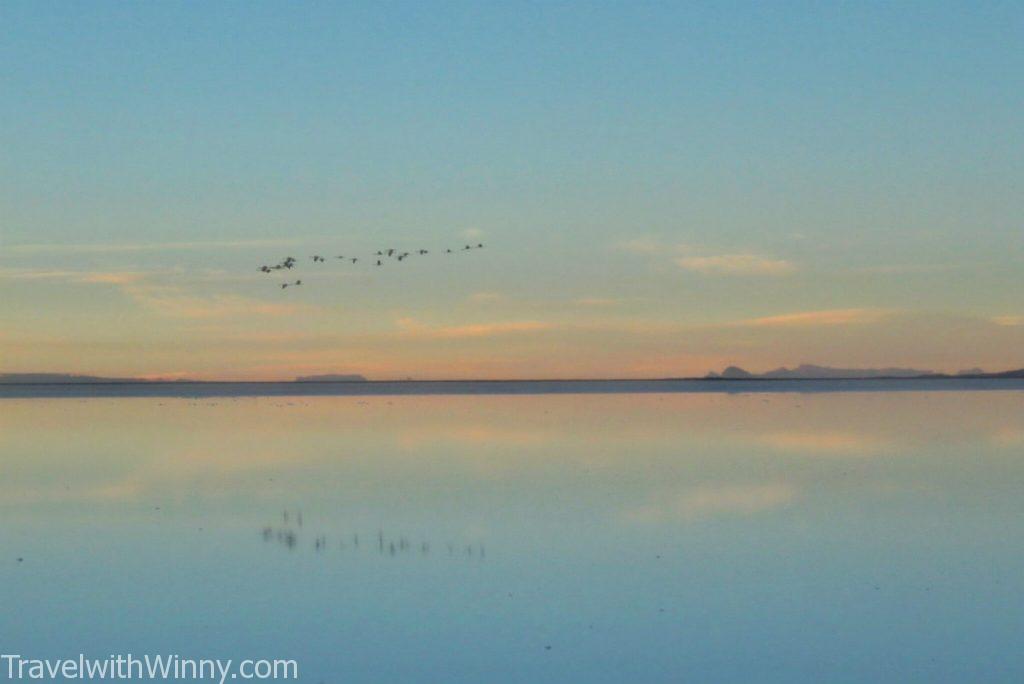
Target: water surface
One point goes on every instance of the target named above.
(652, 537)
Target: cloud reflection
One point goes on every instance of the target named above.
(714, 500)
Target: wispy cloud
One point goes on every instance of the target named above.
(113, 278)
(472, 233)
(1008, 320)
(737, 264)
(144, 246)
(90, 277)
(410, 327)
(706, 261)
(818, 318)
(166, 300)
(482, 297)
(178, 305)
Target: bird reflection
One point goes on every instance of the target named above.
(287, 535)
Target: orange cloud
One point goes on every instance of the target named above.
(114, 278)
(825, 317)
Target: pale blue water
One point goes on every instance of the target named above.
(653, 537)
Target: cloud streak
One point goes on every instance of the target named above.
(175, 304)
(410, 327)
(826, 317)
(737, 264)
(144, 246)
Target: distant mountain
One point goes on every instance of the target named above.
(809, 371)
(59, 378)
(332, 377)
(733, 373)
(1019, 373)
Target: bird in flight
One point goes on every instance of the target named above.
(399, 256)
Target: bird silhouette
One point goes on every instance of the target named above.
(290, 262)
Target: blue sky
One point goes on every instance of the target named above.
(641, 172)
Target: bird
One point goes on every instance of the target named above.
(290, 262)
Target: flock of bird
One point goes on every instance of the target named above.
(380, 258)
(287, 535)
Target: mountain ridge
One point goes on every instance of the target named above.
(808, 371)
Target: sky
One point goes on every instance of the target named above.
(662, 188)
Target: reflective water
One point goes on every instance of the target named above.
(866, 536)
